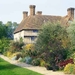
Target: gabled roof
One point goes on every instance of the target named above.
(36, 21)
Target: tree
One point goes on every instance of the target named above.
(50, 43)
(15, 25)
(3, 30)
(1, 23)
(6, 32)
(10, 28)
(71, 32)
(4, 44)
(71, 35)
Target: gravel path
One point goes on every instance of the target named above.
(38, 69)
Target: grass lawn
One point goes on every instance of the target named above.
(9, 69)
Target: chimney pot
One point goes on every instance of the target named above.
(39, 13)
(32, 10)
(70, 13)
(25, 14)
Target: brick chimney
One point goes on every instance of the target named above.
(32, 10)
(39, 13)
(70, 13)
(25, 14)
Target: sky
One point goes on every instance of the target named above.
(11, 10)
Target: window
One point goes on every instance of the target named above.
(32, 38)
(35, 30)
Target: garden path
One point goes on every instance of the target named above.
(38, 69)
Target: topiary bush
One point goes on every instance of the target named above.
(69, 69)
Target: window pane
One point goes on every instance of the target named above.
(32, 38)
(35, 30)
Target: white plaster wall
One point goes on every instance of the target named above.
(22, 34)
(27, 40)
(18, 35)
(26, 33)
(30, 33)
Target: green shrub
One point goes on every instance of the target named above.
(29, 47)
(8, 53)
(16, 46)
(14, 58)
(73, 56)
(20, 59)
(29, 50)
(4, 44)
(27, 60)
(36, 62)
(69, 68)
(17, 54)
(52, 43)
(31, 53)
(48, 66)
(42, 63)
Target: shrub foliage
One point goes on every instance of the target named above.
(50, 43)
(69, 69)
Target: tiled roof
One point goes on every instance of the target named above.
(36, 21)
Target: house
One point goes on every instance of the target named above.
(29, 26)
